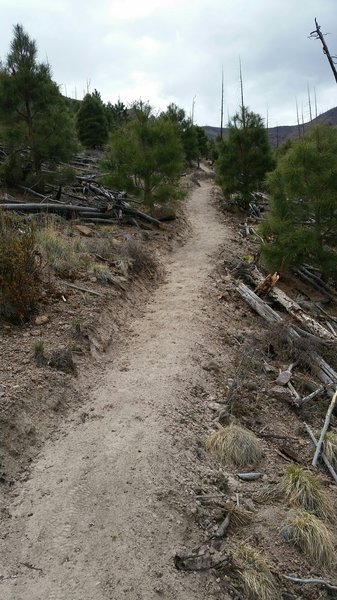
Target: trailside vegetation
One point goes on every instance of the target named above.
(91, 121)
(145, 156)
(244, 157)
(302, 221)
(36, 125)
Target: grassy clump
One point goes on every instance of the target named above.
(311, 536)
(62, 359)
(102, 273)
(330, 447)
(236, 446)
(301, 488)
(254, 574)
(139, 258)
(19, 274)
(65, 255)
(38, 353)
(239, 516)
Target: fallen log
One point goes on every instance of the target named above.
(262, 309)
(300, 315)
(319, 366)
(308, 277)
(49, 207)
(137, 213)
(292, 307)
(101, 221)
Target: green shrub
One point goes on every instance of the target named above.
(19, 276)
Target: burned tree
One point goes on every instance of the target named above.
(318, 35)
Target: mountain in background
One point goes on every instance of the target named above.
(277, 135)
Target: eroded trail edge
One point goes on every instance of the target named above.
(97, 519)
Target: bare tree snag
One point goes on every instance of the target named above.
(317, 34)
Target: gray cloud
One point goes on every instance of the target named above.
(164, 51)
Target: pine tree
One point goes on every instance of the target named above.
(245, 157)
(35, 122)
(116, 115)
(92, 125)
(202, 143)
(302, 222)
(145, 156)
(186, 130)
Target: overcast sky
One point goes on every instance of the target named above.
(172, 51)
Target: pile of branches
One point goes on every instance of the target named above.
(110, 207)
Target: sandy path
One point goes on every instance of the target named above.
(93, 516)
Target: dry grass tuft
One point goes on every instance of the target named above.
(66, 255)
(138, 257)
(254, 574)
(301, 488)
(38, 353)
(330, 447)
(239, 516)
(102, 273)
(311, 536)
(236, 446)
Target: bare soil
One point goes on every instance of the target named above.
(115, 491)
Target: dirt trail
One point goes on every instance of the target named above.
(96, 519)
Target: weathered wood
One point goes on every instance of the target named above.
(314, 581)
(300, 315)
(319, 366)
(324, 429)
(259, 305)
(294, 392)
(308, 278)
(80, 288)
(314, 338)
(320, 390)
(323, 456)
(49, 207)
(101, 221)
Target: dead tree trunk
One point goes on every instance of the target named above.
(317, 34)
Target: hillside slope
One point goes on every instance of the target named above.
(277, 135)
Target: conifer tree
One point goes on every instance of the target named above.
(35, 122)
(245, 157)
(145, 156)
(186, 130)
(302, 223)
(116, 115)
(92, 125)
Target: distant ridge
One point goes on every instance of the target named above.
(277, 135)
